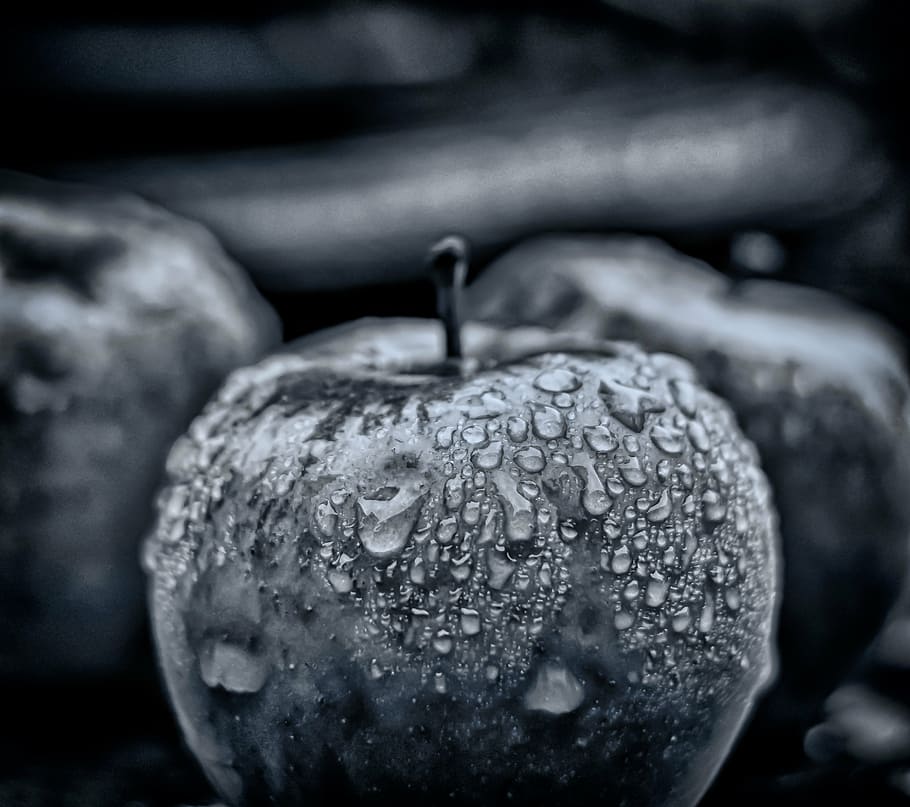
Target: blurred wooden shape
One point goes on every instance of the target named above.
(702, 151)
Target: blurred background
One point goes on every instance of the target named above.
(294, 128)
(328, 144)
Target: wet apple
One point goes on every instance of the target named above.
(548, 566)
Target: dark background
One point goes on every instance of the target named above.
(89, 93)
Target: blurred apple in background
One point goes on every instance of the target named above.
(551, 566)
(818, 385)
(328, 144)
(117, 320)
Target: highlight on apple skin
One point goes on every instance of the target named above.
(550, 565)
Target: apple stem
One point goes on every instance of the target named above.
(448, 265)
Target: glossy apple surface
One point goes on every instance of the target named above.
(818, 385)
(552, 567)
(117, 321)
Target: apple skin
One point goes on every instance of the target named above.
(370, 580)
(117, 322)
(819, 386)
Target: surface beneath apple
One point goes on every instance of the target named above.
(549, 569)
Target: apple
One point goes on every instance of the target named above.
(818, 385)
(548, 565)
(117, 321)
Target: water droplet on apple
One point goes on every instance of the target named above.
(530, 459)
(548, 422)
(623, 620)
(488, 530)
(471, 513)
(545, 575)
(554, 690)
(445, 436)
(686, 478)
(683, 393)
(500, 568)
(568, 531)
(490, 457)
(387, 517)
(699, 436)
(439, 683)
(557, 380)
(661, 510)
(715, 508)
(656, 592)
(681, 620)
(454, 493)
(442, 642)
(325, 519)
(283, 485)
(706, 620)
(233, 668)
(632, 472)
(543, 517)
(474, 435)
(447, 529)
(594, 498)
(470, 622)
(600, 439)
(418, 572)
(622, 560)
(629, 405)
(668, 439)
(486, 405)
(340, 581)
(519, 512)
(595, 502)
(517, 429)
(461, 567)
